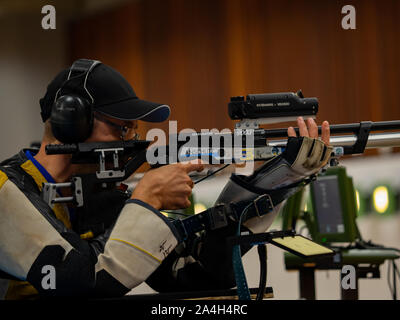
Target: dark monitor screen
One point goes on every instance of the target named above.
(327, 202)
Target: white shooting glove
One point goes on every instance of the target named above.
(277, 177)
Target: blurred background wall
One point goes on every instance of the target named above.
(194, 55)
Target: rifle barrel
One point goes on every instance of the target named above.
(337, 128)
(375, 140)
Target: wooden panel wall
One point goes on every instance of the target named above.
(194, 55)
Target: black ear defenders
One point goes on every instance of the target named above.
(72, 114)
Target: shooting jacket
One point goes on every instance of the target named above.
(36, 240)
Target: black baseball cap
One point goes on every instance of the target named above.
(112, 95)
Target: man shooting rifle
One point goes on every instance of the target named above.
(91, 102)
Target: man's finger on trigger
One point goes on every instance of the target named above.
(196, 162)
(325, 132)
(189, 167)
(302, 127)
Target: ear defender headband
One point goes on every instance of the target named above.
(72, 114)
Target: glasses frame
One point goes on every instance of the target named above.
(123, 128)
